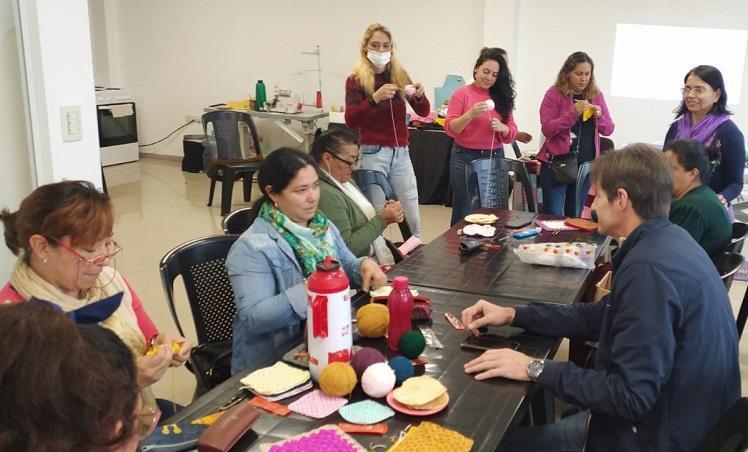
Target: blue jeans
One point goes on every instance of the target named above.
(557, 199)
(395, 163)
(567, 435)
(462, 202)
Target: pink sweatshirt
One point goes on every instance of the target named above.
(478, 133)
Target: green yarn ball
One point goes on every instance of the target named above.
(411, 344)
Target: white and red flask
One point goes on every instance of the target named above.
(329, 335)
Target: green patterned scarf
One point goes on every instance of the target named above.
(310, 244)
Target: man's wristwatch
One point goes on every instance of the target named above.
(535, 368)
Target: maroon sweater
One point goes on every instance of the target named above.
(374, 123)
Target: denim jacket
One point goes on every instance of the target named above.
(269, 290)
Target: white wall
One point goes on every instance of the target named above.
(179, 56)
(59, 72)
(15, 168)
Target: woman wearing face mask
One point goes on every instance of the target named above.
(568, 129)
(703, 116)
(336, 153)
(375, 98)
(269, 264)
(479, 130)
(62, 233)
(695, 206)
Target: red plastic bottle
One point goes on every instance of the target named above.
(400, 305)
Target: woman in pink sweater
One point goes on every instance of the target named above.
(566, 130)
(479, 128)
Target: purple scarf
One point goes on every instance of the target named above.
(703, 131)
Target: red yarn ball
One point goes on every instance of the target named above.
(365, 358)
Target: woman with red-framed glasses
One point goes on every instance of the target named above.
(62, 235)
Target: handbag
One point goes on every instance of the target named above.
(564, 168)
(211, 363)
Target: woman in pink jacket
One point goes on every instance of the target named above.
(480, 120)
(565, 129)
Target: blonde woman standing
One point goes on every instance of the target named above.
(375, 98)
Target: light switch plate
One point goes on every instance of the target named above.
(70, 119)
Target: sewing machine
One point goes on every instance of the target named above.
(283, 101)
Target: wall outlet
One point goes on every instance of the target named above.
(188, 118)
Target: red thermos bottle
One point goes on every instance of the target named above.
(400, 305)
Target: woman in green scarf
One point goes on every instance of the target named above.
(268, 265)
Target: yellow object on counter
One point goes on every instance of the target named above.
(238, 104)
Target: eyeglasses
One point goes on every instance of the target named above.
(112, 248)
(696, 90)
(352, 164)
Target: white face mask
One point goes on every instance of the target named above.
(378, 59)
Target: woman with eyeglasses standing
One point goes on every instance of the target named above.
(375, 98)
(703, 116)
(360, 225)
(62, 235)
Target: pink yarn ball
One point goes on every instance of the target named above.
(410, 90)
(378, 380)
(365, 358)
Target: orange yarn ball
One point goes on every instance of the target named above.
(373, 320)
(337, 379)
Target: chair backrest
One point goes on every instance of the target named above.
(226, 132)
(517, 151)
(731, 432)
(739, 232)
(583, 186)
(494, 182)
(237, 221)
(201, 263)
(606, 145)
(727, 265)
(365, 179)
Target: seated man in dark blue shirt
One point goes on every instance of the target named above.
(667, 365)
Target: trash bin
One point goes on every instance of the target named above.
(192, 162)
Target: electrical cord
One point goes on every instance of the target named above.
(169, 135)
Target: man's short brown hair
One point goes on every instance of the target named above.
(641, 170)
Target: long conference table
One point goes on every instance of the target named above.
(481, 410)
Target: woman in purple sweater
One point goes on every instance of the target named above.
(566, 131)
(480, 120)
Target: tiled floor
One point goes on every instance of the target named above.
(158, 207)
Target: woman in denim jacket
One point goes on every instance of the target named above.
(268, 265)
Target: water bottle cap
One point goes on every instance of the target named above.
(400, 282)
(259, 81)
(329, 264)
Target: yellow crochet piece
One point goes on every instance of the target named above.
(429, 436)
(588, 114)
(207, 420)
(174, 346)
(278, 378)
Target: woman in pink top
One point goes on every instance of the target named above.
(565, 129)
(479, 130)
(62, 235)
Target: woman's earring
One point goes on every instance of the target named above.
(44, 261)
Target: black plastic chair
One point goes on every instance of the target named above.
(366, 178)
(237, 221)
(517, 151)
(606, 145)
(727, 265)
(731, 432)
(494, 182)
(201, 264)
(739, 232)
(230, 164)
(583, 177)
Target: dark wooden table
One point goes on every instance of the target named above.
(440, 265)
(483, 411)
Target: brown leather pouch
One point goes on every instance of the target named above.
(228, 429)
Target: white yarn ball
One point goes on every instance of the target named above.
(490, 104)
(378, 380)
(410, 90)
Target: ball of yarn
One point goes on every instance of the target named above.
(373, 320)
(411, 344)
(378, 380)
(337, 379)
(365, 358)
(409, 90)
(402, 367)
(490, 104)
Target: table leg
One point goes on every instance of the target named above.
(309, 128)
(543, 407)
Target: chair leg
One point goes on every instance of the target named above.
(247, 185)
(227, 189)
(742, 314)
(212, 189)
